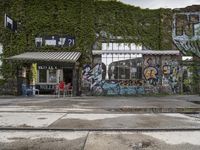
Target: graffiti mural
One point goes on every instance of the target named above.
(96, 75)
(86, 74)
(186, 32)
(114, 87)
(150, 71)
(149, 61)
(170, 76)
(111, 88)
(160, 75)
(132, 90)
(151, 89)
(92, 77)
(166, 69)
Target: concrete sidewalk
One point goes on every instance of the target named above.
(59, 140)
(100, 112)
(98, 122)
(46, 122)
(162, 104)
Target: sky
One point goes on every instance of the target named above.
(154, 4)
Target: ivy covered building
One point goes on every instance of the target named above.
(65, 38)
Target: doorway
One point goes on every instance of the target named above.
(68, 75)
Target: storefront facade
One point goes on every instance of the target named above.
(50, 69)
(49, 74)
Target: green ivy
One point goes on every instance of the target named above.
(83, 19)
(144, 26)
(195, 78)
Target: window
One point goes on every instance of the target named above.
(52, 76)
(47, 76)
(120, 46)
(42, 75)
(123, 65)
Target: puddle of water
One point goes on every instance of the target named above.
(195, 102)
(17, 138)
(24, 126)
(5, 104)
(41, 118)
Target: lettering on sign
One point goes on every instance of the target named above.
(65, 41)
(47, 67)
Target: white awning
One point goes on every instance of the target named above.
(47, 56)
(144, 52)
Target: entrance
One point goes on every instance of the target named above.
(68, 75)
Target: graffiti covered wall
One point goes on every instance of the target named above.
(151, 70)
(186, 32)
(115, 87)
(170, 74)
(160, 74)
(92, 79)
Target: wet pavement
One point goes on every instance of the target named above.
(72, 123)
(126, 121)
(79, 121)
(100, 112)
(159, 104)
(20, 140)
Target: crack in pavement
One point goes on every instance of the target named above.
(85, 141)
(58, 119)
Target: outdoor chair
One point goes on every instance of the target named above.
(69, 89)
(36, 91)
(28, 91)
(56, 91)
(60, 88)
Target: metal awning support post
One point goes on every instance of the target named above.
(75, 79)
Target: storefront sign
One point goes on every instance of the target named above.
(47, 67)
(58, 41)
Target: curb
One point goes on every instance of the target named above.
(101, 129)
(156, 110)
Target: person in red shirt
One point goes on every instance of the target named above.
(62, 85)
